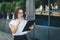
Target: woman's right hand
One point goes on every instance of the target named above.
(14, 27)
(19, 21)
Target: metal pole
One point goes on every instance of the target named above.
(49, 18)
(30, 11)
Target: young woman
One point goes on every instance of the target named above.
(17, 25)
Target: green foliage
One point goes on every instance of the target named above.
(8, 7)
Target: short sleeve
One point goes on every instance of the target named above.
(11, 23)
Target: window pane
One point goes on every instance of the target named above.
(41, 14)
(55, 13)
(55, 5)
(55, 19)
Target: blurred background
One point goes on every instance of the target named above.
(46, 14)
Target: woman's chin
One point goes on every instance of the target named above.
(20, 17)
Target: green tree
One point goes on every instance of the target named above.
(8, 7)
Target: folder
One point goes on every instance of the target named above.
(28, 24)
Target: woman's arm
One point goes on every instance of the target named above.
(14, 28)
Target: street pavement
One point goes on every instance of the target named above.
(5, 36)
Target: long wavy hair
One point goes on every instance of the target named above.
(16, 12)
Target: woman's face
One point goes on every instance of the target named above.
(20, 13)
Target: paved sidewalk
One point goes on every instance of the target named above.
(5, 36)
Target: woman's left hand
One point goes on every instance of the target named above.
(31, 27)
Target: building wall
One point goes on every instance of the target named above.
(39, 32)
(4, 25)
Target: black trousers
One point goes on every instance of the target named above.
(22, 37)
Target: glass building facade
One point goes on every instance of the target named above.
(47, 12)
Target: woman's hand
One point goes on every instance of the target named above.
(31, 28)
(14, 28)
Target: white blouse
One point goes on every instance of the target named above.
(20, 27)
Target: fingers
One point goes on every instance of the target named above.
(18, 22)
(31, 27)
(11, 25)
